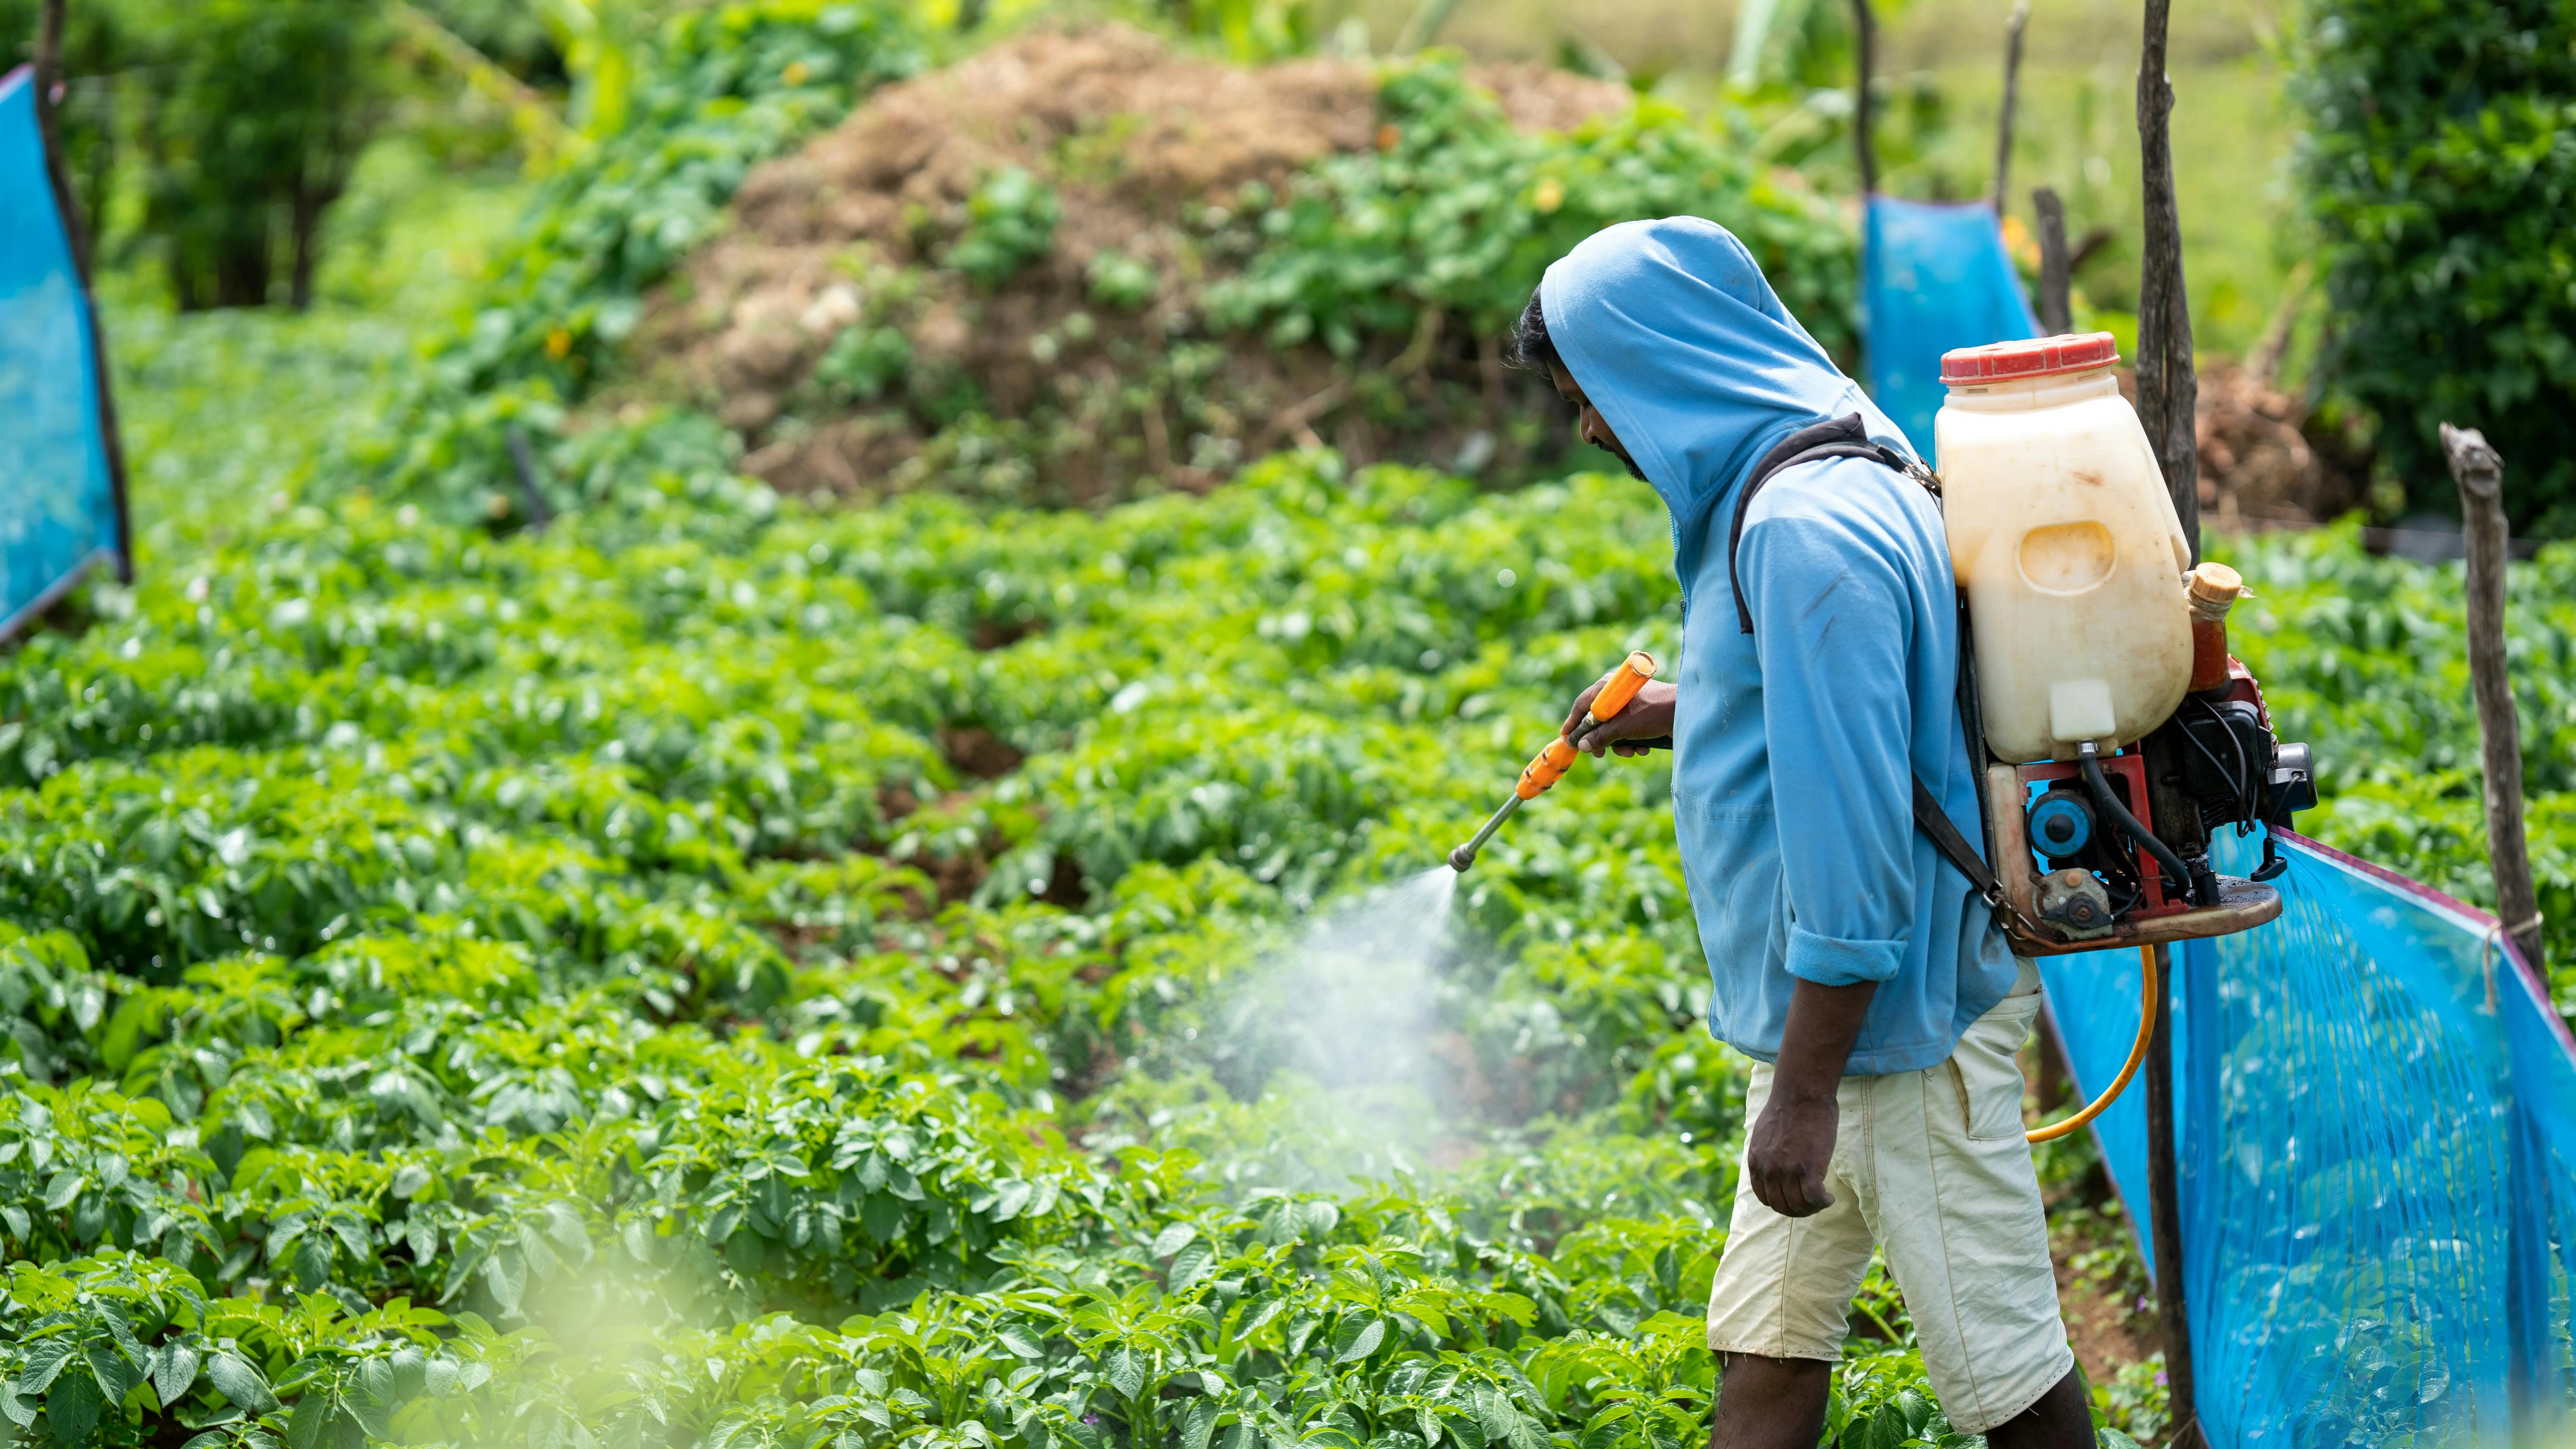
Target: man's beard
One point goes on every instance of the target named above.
(1625, 461)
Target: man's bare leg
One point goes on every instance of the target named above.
(1770, 1403)
(2060, 1420)
(1776, 1403)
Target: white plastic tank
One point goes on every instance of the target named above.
(2068, 547)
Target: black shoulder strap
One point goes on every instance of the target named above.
(1935, 824)
(1844, 437)
(1841, 437)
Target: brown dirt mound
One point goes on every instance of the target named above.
(2261, 467)
(1150, 154)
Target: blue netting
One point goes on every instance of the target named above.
(1934, 276)
(58, 510)
(2375, 1107)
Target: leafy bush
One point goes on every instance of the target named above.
(730, 85)
(1458, 212)
(2440, 166)
(1119, 280)
(1010, 222)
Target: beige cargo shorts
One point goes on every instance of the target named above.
(1930, 1165)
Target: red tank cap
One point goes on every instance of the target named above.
(2037, 357)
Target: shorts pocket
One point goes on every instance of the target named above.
(1987, 1072)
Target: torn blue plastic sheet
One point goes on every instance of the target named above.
(59, 509)
(1934, 276)
(2375, 1111)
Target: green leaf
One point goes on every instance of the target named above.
(114, 1374)
(1173, 1238)
(1190, 1265)
(174, 1371)
(1126, 1369)
(240, 1383)
(44, 1360)
(1020, 1340)
(66, 1186)
(409, 1179)
(314, 1409)
(1358, 1337)
(72, 1409)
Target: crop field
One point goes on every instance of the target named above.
(660, 954)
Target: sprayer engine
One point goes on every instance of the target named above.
(2125, 836)
(2216, 764)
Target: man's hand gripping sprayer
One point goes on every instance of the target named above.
(1551, 763)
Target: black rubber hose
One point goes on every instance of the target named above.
(2175, 872)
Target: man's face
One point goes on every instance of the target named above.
(1595, 428)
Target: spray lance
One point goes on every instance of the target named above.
(1550, 764)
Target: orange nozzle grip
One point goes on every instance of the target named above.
(1545, 770)
(1622, 685)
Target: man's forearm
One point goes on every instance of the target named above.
(1817, 1039)
(1792, 1145)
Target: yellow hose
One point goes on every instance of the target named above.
(2137, 1054)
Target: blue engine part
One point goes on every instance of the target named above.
(2060, 824)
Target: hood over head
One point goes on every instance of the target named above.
(1673, 332)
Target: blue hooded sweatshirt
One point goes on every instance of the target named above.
(1793, 744)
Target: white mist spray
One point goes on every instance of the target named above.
(1347, 1020)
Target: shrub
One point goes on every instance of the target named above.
(1010, 222)
(2440, 169)
(729, 86)
(252, 116)
(1458, 211)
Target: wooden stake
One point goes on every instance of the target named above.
(2167, 391)
(1867, 27)
(49, 76)
(2056, 270)
(2164, 1216)
(2012, 92)
(2480, 475)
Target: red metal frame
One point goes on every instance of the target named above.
(2130, 768)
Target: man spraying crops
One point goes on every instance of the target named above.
(1818, 667)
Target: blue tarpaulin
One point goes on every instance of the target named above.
(1934, 276)
(59, 510)
(2375, 1124)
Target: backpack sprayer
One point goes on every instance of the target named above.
(2112, 733)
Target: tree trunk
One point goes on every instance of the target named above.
(306, 222)
(243, 266)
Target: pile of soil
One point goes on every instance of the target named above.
(1153, 157)
(2260, 466)
(2265, 461)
